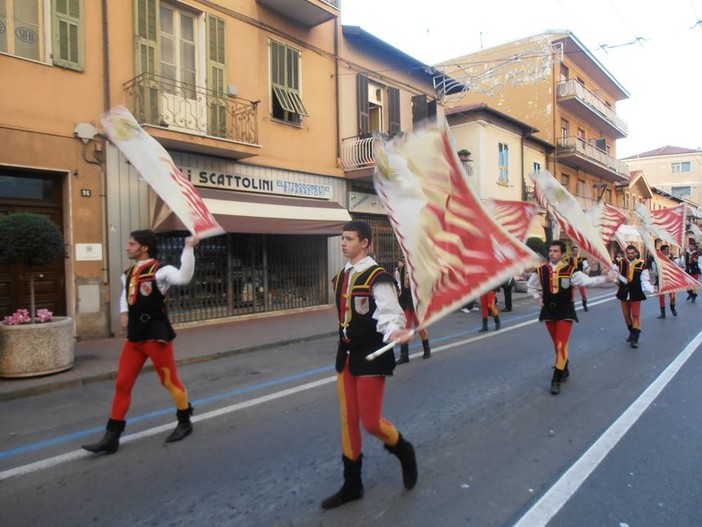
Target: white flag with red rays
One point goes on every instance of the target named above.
(607, 219)
(453, 248)
(666, 224)
(570, 216)
(156, 166)
(670, 277)
(515, 216)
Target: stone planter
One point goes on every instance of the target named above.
(27, 350)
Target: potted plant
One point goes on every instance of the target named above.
(33, 342)
(464, 155)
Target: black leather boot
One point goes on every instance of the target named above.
(566, 372)
(672, 310)
(404, 354)
(427, 349)
(556, 381)
(405, 453)
(585, 304)
(498, 325)
(630, 330)
(484, 328)
(184, 427)
(109, 444)
(694, 298)
(635, 338)
(662, 315)
(352, 489)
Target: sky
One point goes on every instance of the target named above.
(653, 49)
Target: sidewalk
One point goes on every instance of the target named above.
(96, 360)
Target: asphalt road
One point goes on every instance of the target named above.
(618, 447)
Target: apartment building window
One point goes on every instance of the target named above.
(286, 83)
(565, 181)
(580, 188)
(626, 200)
(608, 195)
(581, 134)
(565, 130)
(178, 34)
(683, 166)
(537, 167)
(23, 27)
(503, 163)
(683, 191)
(580, 81)
(565, 73)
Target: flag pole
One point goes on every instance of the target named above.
(379, 352)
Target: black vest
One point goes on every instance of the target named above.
(362, 337)
(557, 296)
(632, 272)
(148, 317)
(692, 263)
(577, 262)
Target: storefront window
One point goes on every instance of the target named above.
(237, 274)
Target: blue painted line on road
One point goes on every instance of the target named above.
(240, 391)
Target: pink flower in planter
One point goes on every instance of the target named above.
(21, 316)
(44, 315)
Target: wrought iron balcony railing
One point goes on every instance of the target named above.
(161, 101)
(357, 152)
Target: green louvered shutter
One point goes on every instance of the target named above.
(67, 34)
(216, 78)
(146, 96)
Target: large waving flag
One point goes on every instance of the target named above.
(515, 216)
(454, 250)
(156, 166)
(570, 216)
(670, 277)
(666, 224)
(607, 219)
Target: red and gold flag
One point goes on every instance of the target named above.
(670, 277)
(515, 216)
(454, 249)
(666, 224)
(570, 216)
(607, 219)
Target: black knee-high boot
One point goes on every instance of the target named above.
(404, 354)
(484, 328)
(635, 338)
(109, 444)
(498, 325)
(672, 309)
(427, 349)
(405, 453)
(556, 381)
(352, 489)
(631, 328)
(662, 315)
(184, 427)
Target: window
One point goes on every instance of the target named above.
(608, 195)
(565, 73)
(626, 200)
(565, 127)
(565, 181)
(286, 98)
(177, 38)
(537, 167)
(23, 27)
(685, 191)
(503, 163)
(581, 134)
(683, 166)
(580, 81)
(580, 188)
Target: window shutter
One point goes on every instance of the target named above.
(431, 109)
(68, 45)
(419, 108)
(146, 96)
(363, 106)
(393, 110)
(216, 77)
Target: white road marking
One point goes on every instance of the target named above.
(558, 495)
(80, 453)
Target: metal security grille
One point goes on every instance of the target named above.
(237, 274)
(386, 249)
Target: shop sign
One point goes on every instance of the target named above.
(362, 202)
(261, 185)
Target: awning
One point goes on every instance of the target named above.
(260, 214)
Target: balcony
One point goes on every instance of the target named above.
(214, 122)
(579, 154)
(357, 153)
(585, 105)
(307, 12)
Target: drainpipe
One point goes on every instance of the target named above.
(103, 181)
(336, 87)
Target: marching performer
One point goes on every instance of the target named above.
(665, 249)
(149, 334)
(369, 315)
(551, 285)
(488, 304)
(580, 263)
(633, 291)
(407, 305)
(692, 267)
